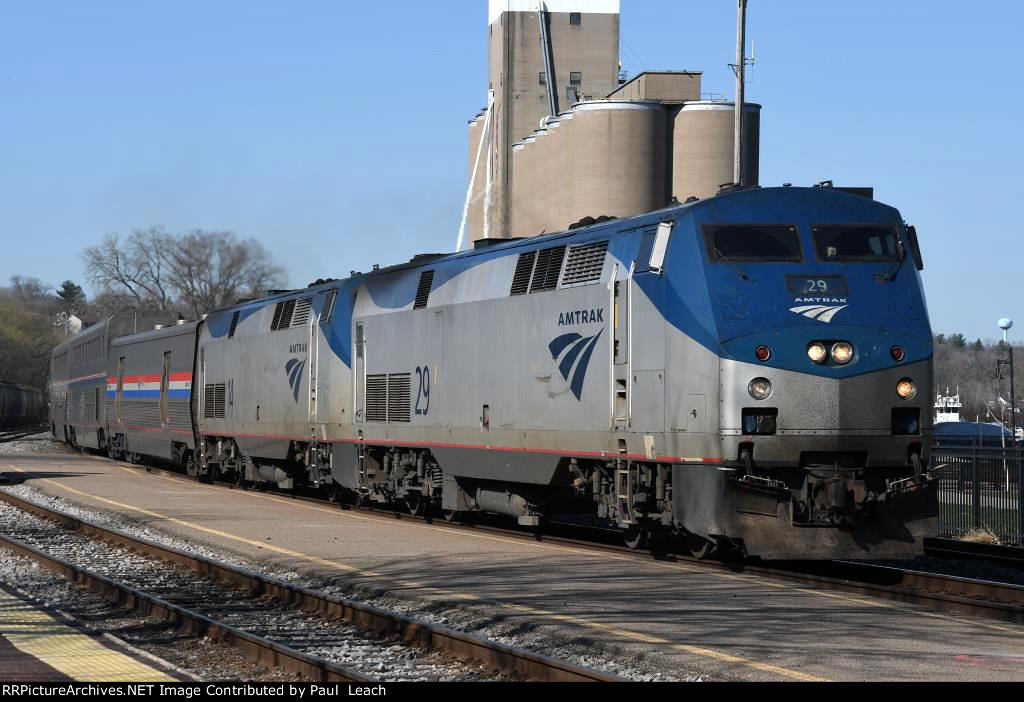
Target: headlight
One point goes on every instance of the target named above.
(817, 352)
(906, 389)
(760, 388)
(842, 353)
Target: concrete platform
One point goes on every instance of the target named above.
(36, 646)
(679, 616)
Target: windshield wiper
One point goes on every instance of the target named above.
(890, 276)
(723, 257)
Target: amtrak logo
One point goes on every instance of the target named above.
(575, 352)
(294, 370)
(820, 313)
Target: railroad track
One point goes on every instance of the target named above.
(20, 433)
(952, 548)
(270, 621)
(937, 591)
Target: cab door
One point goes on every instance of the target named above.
(359, 374)
(321, 374)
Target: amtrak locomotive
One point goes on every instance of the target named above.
(751, 372)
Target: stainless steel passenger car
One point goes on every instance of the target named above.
(78, 377)
(149, 394)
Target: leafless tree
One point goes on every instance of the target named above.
(194, 273)
(137, 266)
(106, 304)
(214, 269)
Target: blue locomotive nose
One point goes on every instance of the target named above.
(837, 272)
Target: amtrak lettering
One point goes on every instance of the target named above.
(570, 319)
(821, 301)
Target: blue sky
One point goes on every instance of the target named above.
(335, 132)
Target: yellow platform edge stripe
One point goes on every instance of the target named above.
(81, 657)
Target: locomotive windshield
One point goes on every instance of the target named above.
(843, 244)
(747, 243)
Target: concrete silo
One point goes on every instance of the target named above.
(536, 171)
(702, 147)
(522, 210)
(475, 214)
(548, 177)
(616, 159)
(519, 157)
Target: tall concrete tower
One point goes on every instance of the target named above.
(544, 57)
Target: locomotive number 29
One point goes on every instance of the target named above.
(423, 392)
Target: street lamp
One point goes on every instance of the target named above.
(1006, 324)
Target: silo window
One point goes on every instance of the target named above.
(575, 19)
(576, 78)
(572, 93)
(543, 78)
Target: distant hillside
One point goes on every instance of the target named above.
(972, 367)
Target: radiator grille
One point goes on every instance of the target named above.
(283, 315)
(303, 308)
(389, 398)
(376, 398)
(524, 270)
(214, 401)
(585, 264)
(399, 398)
(549, 267)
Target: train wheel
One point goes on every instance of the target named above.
(699, 547)
(637, 536)
(334, 493)
(417, 505)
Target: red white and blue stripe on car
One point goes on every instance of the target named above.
(145, 387)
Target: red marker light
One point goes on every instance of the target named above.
(898, 354)
(763, 353)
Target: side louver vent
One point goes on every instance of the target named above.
(547, 270)
(376, 398)
(234, 325)
(399, 398)
(303, 308)
(585, 264)
(524, 270)
(389, 398)
(283, 315)
(423, 291)
(214, 404)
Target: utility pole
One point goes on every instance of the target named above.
(741, 66)
(1006, 325)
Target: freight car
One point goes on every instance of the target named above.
(751, 371)
(21, 406)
